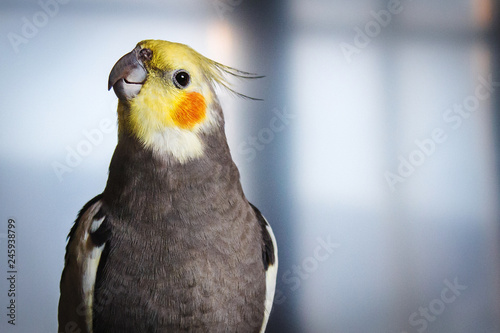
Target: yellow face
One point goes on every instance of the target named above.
(176, 92)
(166, 96)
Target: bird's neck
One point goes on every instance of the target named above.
(164, 137)
(142, 182)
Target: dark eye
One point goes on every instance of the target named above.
(181, 79)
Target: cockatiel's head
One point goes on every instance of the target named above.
(166, 96)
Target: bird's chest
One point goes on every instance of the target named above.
(173, 247)
(182, 272)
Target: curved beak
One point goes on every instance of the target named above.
(127, 76)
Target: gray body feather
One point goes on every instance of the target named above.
(182, 248)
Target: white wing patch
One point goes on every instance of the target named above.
(78, 280)
(90, 262)
(271, 274)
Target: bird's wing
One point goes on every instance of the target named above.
(87, 240)
(270, 260)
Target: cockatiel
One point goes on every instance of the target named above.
(171, 244)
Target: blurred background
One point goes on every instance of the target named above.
(374, 153)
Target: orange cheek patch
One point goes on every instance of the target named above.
(190, 110)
